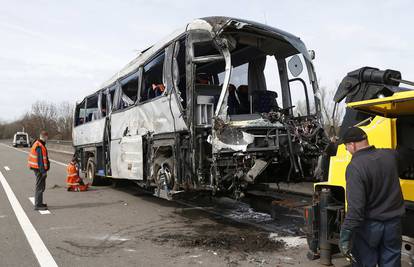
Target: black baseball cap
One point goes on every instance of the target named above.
(353, 134)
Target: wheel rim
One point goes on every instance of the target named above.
(89, 173)
(407, 252)
(168, 176)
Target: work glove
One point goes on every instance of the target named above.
(344, 244)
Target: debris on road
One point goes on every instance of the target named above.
(289, 241)
(244, 241)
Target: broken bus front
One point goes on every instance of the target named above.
(257, 106)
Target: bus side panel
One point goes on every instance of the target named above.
(128, 127)
(115, 152)
(126, 155)
(89, 133)
(154, 116)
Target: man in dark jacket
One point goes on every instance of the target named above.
(375, 203)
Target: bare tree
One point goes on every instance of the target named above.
(65, 119)
(7, 130)
(46, 114)
(300, 108)
(331, 121)
(331, 124)
(55, 118)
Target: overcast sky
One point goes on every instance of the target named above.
(63, 50)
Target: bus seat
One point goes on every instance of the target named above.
(244, 104)
(208, 90)
(89, 117)
(264, 101)
(233, 101)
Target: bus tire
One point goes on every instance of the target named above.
(91, 173)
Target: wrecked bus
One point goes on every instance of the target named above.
(222, 104)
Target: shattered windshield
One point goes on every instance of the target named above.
(255, 84)
(265, 75)
(301, 88)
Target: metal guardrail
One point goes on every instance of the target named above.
(62, 146)
(60, 142)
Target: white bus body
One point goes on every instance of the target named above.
(211, 107)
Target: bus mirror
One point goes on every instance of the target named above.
(312, 54)
(295, 66)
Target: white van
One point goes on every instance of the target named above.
(21, 139)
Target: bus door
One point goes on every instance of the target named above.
(126, 142)
(106, 108)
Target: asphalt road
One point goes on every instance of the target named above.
(121, 226)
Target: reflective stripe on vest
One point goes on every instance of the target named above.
(32, 161)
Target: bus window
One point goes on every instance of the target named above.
(153, 85)
(179, 71)
(92, 112)
(271, 73)
(254, 82)
(301, 90)
(205, 48)
(80, 113)
(110, 99)
(129, 91)
(208, 73)
(104, 104)
(112, 94)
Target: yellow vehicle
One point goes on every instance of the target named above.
(385, 111)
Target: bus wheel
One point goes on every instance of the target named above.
(164, 178)
(91, 173)
(407, 251)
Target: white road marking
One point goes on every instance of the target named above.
(39, 249)
(43, 212)
(7, 168)
(58, 162)
(51, 160)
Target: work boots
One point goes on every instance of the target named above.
(41, 207)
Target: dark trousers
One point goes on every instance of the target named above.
(40, 187)
(377, 242)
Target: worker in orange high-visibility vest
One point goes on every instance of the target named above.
(73, 181)
(39, 163)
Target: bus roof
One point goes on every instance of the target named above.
(212, 24)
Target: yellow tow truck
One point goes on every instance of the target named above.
(385, 111)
